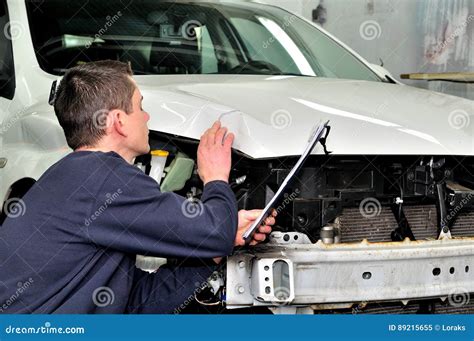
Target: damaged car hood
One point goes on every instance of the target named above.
(273, 116)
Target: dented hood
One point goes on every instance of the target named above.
(273, 116)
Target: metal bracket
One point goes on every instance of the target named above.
(288, 238)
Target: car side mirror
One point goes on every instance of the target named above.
(384, 73)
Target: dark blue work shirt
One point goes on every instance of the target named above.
(72, 250)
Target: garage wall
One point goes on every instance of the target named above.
(408, 35)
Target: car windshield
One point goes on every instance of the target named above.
(186, 38)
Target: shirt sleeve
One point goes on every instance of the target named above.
(133, 216)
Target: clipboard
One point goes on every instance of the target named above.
(315, 137)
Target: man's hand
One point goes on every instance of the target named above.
(246, 218)
(214, 154)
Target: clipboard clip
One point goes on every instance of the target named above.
(322, 140)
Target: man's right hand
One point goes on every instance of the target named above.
(214, 154)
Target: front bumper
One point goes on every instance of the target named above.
(291, 271)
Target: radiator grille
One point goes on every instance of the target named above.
(422, 219)
(464, 224)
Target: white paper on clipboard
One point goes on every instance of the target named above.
(317, 134)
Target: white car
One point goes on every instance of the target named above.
(381, 213)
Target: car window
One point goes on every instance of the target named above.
(195, 37)
(7, 70)
(333, 60)
(262, 45)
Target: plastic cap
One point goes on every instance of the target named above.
(159, 153)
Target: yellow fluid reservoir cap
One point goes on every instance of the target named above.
(159, 153)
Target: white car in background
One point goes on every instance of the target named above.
(380, 218)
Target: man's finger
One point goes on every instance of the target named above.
(228, 141)
(211, 133)
(215, 127)
(270, 221)
(265, 229)
(259, 237)
(220, 136)
(252, 214)
(205, 137)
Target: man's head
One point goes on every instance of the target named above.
(99, 104)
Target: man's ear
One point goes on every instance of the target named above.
(119, 120)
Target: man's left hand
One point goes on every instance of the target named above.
(246, 218)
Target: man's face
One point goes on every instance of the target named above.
(136, 127)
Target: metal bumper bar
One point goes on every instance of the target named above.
(292, 271)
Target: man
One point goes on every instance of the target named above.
(73, 251)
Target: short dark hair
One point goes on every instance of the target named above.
(86, 94)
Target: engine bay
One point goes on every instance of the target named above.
(339, 198)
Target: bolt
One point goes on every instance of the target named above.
(241, 289)
(301, 220)
(398, 201)
(445, 229)
(241, 264)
